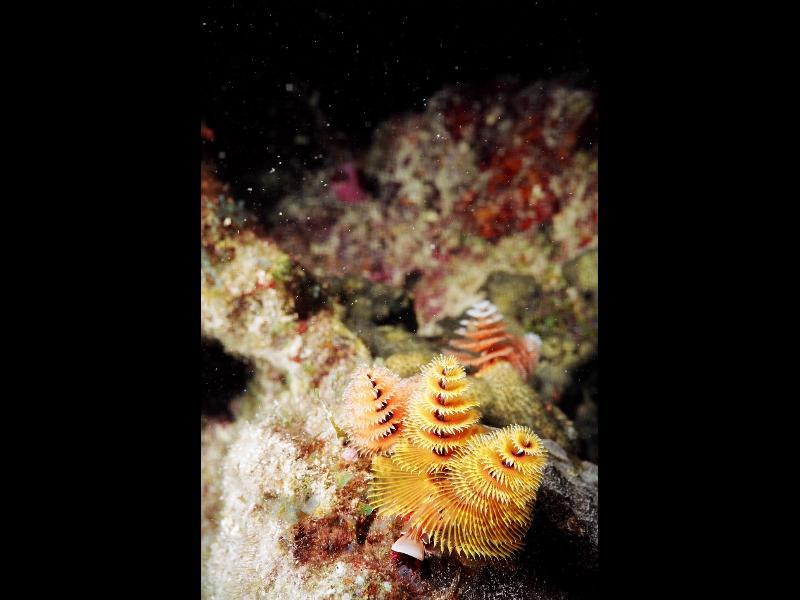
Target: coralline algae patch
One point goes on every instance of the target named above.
(357, 548)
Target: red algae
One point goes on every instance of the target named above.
(321, 540)
(348, 535)
(348, 189)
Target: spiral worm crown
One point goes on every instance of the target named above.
(375, 404)
(486, 341)
(441, 418)
(465, 491)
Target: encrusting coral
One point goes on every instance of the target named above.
(461, 489)
(486, 340)
(278, 465)
(407, 364)
(506, 398)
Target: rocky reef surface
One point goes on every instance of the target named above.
(488, 194)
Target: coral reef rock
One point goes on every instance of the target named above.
(386, 340)
(582, 271)
(503, 177)
(514, 295)
(368, 303)
(262, 306)
(564, 530)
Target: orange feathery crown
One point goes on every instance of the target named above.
(375, 403)
(486, 341)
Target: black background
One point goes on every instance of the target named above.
(112, 480)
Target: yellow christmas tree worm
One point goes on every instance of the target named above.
(442, 416)
(398, 493)
(485, 503)
(459, 488)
